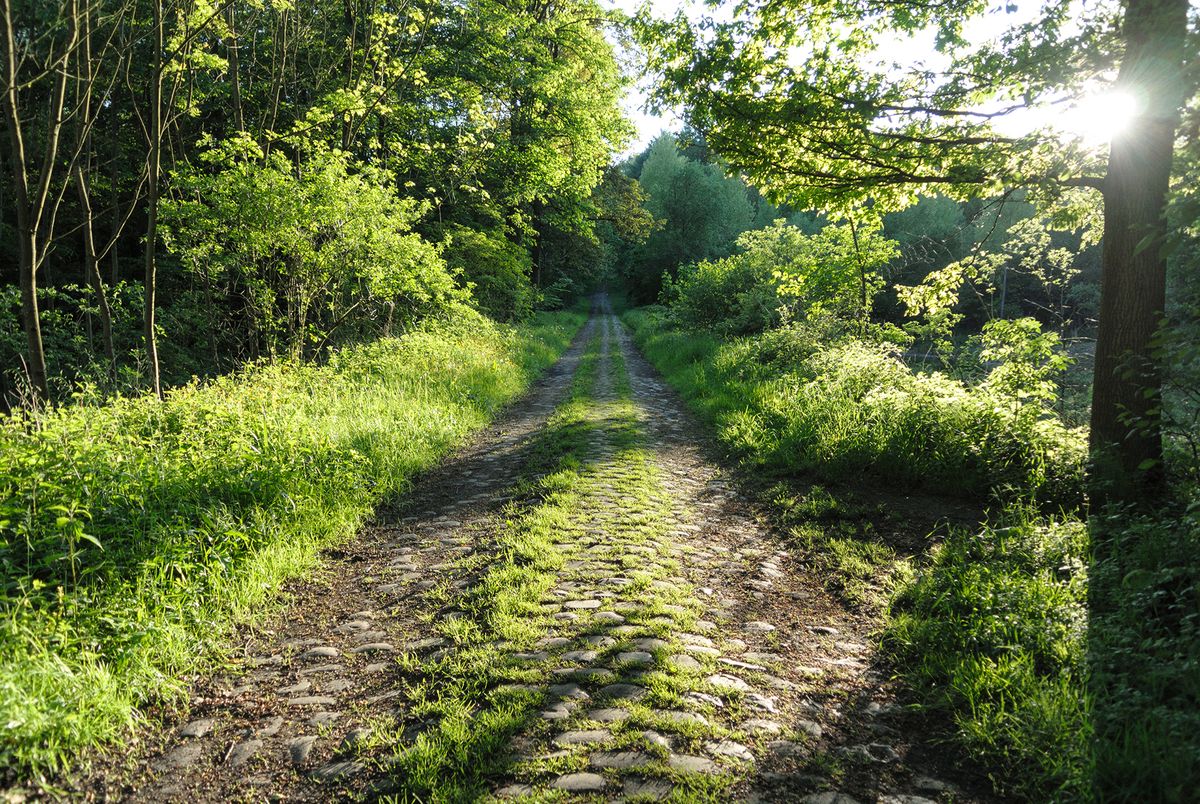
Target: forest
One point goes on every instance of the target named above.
(377, 390)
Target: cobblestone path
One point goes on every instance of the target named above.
(581, 605)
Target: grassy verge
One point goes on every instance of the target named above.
(134, 535)
(790, 403)
(987, 625)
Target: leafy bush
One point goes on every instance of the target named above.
(783, 273)
(134, 534)
(305, 250)
(494, 269)
(994, 632)
(794, 401)
(1144, 652)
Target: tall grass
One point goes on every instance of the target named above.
(788, 401)
(135, 534)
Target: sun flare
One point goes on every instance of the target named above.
(1098, 118)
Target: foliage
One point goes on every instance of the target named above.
(494, 269)
(808, 399)
(701, 210)
(135, 534)
(994, 632)
(1144, 650)
(301, 246)
(780, 274)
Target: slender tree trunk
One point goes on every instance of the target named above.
(152, 176)
(32, 202)
(235, 87)
(1126, 436)
(92, 267)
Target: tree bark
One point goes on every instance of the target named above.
(153, 166)
(235, 86)
(91, 260)
(1126, 435)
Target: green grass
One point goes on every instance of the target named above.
(134, 535)
(789, 403)
(993, 632)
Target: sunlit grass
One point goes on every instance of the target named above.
(135, 534)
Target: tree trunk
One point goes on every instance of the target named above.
(91, 262)
(152, 175)
(1126, 436)
(235, 86)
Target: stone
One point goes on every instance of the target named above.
(650, 643)
(299, 686)
(740, 664)
(904, 798)
(686, 763)
(786, 748)
(299, 748)
(337, 685)
(582, 737)
(582, 604)
(824, 629)
(681, 661)
(355, 738)
(323, 652)
(932, 785)
(761, 726)
(609, 617)
(425, 644)
(180, 757)
(337, 770)
(514, 791)
(630, 692)
(559, 711)
(321, 668)
(657, 740)
(580, 656)
(881, 752)
(269, 727)
(676, 716)
(579, 783)
(313, 700)
(761, 702)
(636, 657)
(811, 728)
(600, 641)
(621, 760)
(728, 748)
(704, 699)
(568, 691)
(323, 718)
(197, 728)
(656, 789)
(374, 647)
(553, 642)
(726, 682)
(610, 715)
(758, 626)
(241, 753)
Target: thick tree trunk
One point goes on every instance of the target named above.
(1126, 437)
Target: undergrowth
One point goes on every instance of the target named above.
(136, 534)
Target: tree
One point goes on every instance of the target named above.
(39, 56)
(789, 95)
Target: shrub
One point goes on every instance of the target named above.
(494, 269)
